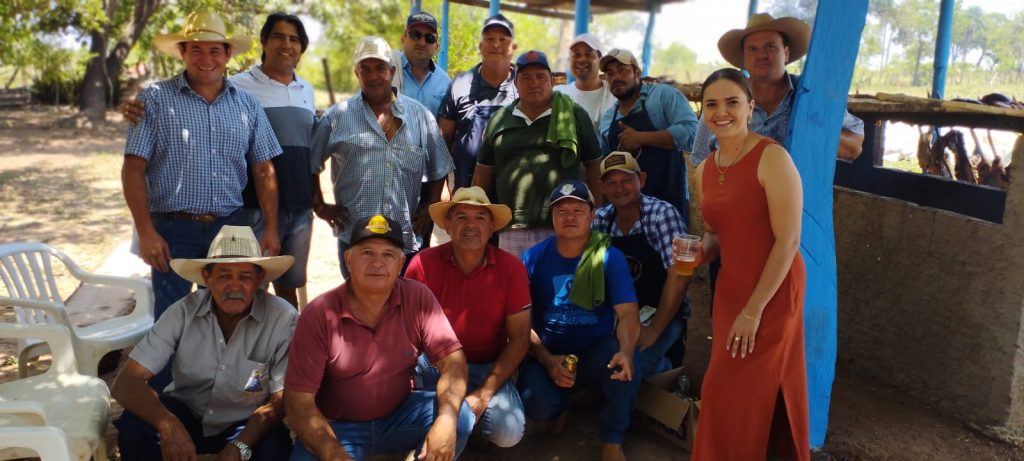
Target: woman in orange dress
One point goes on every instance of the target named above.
(754, 395)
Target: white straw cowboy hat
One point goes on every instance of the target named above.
(233, 244)
(471, 196)
(797, 31)
(202, 26)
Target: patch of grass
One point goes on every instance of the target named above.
(904, 165)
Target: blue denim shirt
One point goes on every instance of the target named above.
(668, 110)
(773, 125)
(431, 92)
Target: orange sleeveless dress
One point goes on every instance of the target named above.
(752, 406)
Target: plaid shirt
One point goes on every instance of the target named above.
(196, 151)
(372, 175)
(773, 125)
(659, 222)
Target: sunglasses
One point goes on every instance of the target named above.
(415, 35)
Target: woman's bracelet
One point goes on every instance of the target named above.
(749, 317)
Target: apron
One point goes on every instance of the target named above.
(467, 146)
(666, 170)
(644, 265)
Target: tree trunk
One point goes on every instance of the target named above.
(103, 69)
(916, 80)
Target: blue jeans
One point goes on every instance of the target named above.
(653, 360)
(140, 441)
(295, 228)
(544, 400)
(403, 430)
(503, 422)
(185, 239)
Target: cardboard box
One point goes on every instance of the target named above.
(672, 417)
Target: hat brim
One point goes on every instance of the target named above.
(168, 43)
(502, 214)
(798, 33)
(192, 269)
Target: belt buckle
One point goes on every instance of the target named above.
(205, 218)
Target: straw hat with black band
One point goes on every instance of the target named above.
(202, 26)
(797, 33)
(233, 244)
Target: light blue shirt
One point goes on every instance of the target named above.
(431, 92)
(774, 125)
(373, 175)
(196, 150)
(668, 110)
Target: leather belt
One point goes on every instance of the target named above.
(202, 218)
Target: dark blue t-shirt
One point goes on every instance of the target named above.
(563, 326)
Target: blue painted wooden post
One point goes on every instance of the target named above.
(416, 7)
(647, 39)
(813, 141)
(942, 48)
(582, 24)
(495, 7)
(752, 8)
(442, 58)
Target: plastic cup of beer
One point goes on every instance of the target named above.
(684, 253)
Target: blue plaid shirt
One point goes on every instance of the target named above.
(372, 175)
(659, 222)
(196, 151)
(773, 125)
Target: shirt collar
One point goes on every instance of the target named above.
(408, 67)
(529, 121)
(206, 305)
(448, 254)
(345, 300)
(257, 72)
(183, 85)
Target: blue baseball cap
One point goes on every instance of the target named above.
(532, 58)
(574, 189)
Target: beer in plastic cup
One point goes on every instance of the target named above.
(684, 252)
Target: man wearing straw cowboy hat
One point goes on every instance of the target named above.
(764, 48)
(186, 161)
(228, 349)
(485, 294)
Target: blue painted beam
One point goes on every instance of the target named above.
(752, 8)
(814, 127)
(942, 48)
(495, 7)
(416, 6)
(582, 16)
(442, 57)
(648, 36)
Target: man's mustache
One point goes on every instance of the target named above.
(240, 295)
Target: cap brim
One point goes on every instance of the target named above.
(501, 214)
(168, 44)
(798, 33)
(362, 58)
(192, 269)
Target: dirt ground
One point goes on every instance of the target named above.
(62, 186)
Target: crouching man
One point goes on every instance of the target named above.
(228, 349)
(348, 391)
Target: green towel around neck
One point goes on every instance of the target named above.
(562, 128)
(588, 282)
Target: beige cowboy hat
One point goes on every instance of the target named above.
(233, 244)
(202, 26)
(471, 196)
(797, 31)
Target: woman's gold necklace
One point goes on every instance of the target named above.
(718, 162)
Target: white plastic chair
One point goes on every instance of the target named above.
(26, 271)
(74, 404)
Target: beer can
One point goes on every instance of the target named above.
(569, 363)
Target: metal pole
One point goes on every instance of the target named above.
(942, 48)
(582, 16)
(442, 58)
(752, 9)
(647, 40)
(495, 7)
(415, 7)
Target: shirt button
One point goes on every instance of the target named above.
(220, 341)
(223, 367)
(209, 412)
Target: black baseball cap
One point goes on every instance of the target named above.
(421, 17)
(499, 20)
(574, 189)
(377, 226)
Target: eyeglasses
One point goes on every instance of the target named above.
(415, 35)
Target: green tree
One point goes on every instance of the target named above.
(915, 31)
(676, 61)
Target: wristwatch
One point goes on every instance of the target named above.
(243, 448)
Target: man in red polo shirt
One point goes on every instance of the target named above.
(485, 294)
(348, 389)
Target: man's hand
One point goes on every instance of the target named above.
(133, 110)
(478, 402)
(440, 443)
(175, 443)
(270, 244)
(229, 453)
(629, 139)
(154, 251)
(558, 373)
(421, 221)
(648, 336)
(624, 363)
(335, 215)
